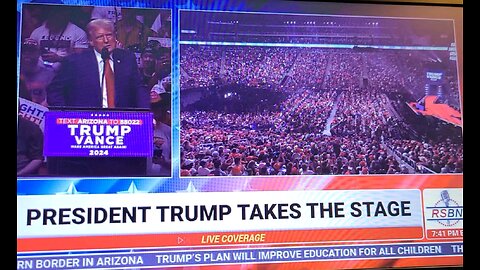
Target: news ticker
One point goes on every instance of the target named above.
(197, 212)
(106, 221)
(175, 258)
(149, 213)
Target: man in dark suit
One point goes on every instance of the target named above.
(80, 81)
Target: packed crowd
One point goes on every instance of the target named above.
(338, 117)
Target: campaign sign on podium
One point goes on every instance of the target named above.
(70, 133)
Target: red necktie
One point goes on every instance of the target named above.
(110, 84)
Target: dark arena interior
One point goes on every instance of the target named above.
(279, 94)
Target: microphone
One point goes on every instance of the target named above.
(445, 197)
(105, 53)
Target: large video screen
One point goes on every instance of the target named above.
(84, 130)
(239, 135)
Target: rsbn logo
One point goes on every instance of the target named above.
(446, 211)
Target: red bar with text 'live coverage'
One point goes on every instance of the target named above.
(217, 239)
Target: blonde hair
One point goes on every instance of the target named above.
(99, 23)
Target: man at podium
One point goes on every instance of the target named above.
(103, 78)
(83, 79)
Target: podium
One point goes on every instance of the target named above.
(98, 142)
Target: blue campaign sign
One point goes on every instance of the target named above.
(98, 133)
